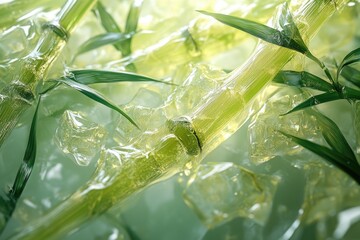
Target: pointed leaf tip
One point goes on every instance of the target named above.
(94, 95)
(288, 37)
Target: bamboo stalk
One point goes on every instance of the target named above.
(186, 140)
(18, 96)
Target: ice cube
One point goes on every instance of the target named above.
(147, 98)
(265, 139)
(328, 190)
(106, 226)
(149, 120)
(197, 82)
(219, 192)
(238, 228)
(79, 138)
(15, 41)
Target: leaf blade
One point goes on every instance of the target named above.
(89, 76)
(131, 25)
(107, 21)
(334, 137)
(302, 79)
(268, 34)
(133, 16)
(329, 155)
(350, 58)
(94, 95)
(25, 169)
(352, 75)
(102, 40)
(316, 100)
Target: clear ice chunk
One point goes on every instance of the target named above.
(265, 140)
(150, 120)
(79, 138)
(147, 97)
(16, 41)
(238, 228)
(328, 190)
(200, 83)
(219, 192)
(104, 227)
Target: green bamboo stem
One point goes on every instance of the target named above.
(233, 99)
(110, 185)
(186, 140)
(18, 96)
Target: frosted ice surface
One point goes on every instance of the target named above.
(265, 140)
(150, 120)
(197, 82)
(219, 192)
(79, 138)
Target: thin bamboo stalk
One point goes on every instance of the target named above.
(186, 140)
(18, 96)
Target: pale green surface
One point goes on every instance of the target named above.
(159, 212)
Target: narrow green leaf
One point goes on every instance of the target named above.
(350, 93)
(131, 26)
(7, 206)
(332, 156)
(335, 138)
(133, 16)
(352, 75)
(107, 21)
(288, 38)
(316, 100)
(102, 40)
(302, 79)
(88, 76)
(350, 58)
(26, 167)
(94, 95)
(289, 27)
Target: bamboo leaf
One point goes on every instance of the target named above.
(25, 169)
(94, 95)
(352, 75)
(88, 76)
(131, 26)
(350, 58)
(102, 40)
(302, 79)
(335, 138)
(330, 155)
(133, 16)
(289, 37)
(7, 206)
(316, 100)
(107, 21)
(350, 93)
(290, 29)
(8, 202)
